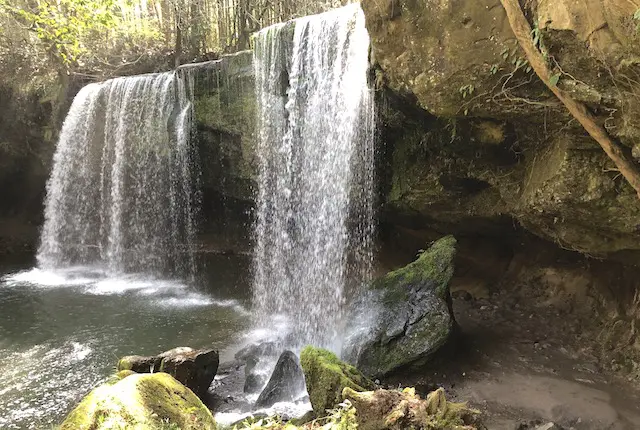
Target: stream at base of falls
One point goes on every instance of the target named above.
(62, 332)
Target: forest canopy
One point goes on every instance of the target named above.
(99, 37)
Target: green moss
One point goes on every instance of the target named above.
(140, 401)
(433, 264)
(222, 111)
(326, 376)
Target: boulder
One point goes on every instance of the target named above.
(399, 410)
(140, 401)
(286, 383)
(194, 368)
(408, 313)
(326, 376)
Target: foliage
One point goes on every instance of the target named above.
(636, 18)
(62, 25)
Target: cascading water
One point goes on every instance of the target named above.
(315, 206)
(121, 194)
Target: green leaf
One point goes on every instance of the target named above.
(554, 79)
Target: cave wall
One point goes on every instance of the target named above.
(29, 125)
(494, 142)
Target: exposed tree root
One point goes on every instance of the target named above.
(522, 31)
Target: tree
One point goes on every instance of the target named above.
(61, 25)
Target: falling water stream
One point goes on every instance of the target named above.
(315, 204)
(120, 196)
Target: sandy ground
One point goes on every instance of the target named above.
(525, 364)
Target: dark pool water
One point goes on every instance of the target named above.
(62, 332)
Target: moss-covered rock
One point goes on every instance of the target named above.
(140, 401)
(326, 376)
(407, 314)
(399, 410)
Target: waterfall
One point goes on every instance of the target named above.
(314, 223)
(121, 193)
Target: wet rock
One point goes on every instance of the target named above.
(407, 315)
(139, 363)
(257, 350)
(326, 376)
(193, 368)
(286, 383)
(132, 400)
(253, 356)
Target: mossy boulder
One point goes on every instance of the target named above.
(326, 376)
(399, 410)
(140, 401)
(406, 316)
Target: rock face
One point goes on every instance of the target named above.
(326, 376)
(140, 401)
(225, 114)
(193, 368)
(492, 144)
(286, 383)
(409, 311)
(471, 140)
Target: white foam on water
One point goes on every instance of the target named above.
(282, 409)
(30, 371)
(166, 293)
(37, 277)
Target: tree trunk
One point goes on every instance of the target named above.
(522, 30)
(178, 46)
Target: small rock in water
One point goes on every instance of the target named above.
(251, 356)
(257, 350)
(286, 382)
(194, 368)
(139, 363)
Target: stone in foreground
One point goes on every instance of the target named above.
(406, 316)
(286, 383)
(140, 401)
(400, 410)
(193, 368)
(326, 377)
